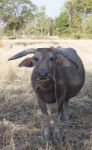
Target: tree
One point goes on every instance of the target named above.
(40, 21)
(78, 12)
(16, 13)
(62, 23)
(88, 25)
(50, 26)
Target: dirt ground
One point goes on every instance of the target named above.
(20, 116)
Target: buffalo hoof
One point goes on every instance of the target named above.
(46, 134)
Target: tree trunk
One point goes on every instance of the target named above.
(14, 33)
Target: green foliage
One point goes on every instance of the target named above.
(76, 18)
(50, 26)
(76, 23)
(8, 32)
(62, 23)
(18, 15)
(14, 23)
(43, 24)
(76, 35)
(88, 25)
(41, 20)
(15, 13)
(22, 16)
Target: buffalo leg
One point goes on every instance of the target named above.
(65, 112)
(53, 118)
(45, 123)
(56, 130)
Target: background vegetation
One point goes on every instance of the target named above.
(21, 18)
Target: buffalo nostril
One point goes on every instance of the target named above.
(43, 73)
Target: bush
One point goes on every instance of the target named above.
(76, 35)
(88, 25)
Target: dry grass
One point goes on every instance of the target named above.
(20, 116)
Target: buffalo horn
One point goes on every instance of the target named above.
(23, 53)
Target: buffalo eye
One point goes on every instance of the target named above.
(52, 58)
(36, 59)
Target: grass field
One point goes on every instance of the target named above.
(20, 116)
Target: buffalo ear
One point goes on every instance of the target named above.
(26, 63)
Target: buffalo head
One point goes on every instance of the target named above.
(44, 61)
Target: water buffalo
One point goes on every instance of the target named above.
(58, 75)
